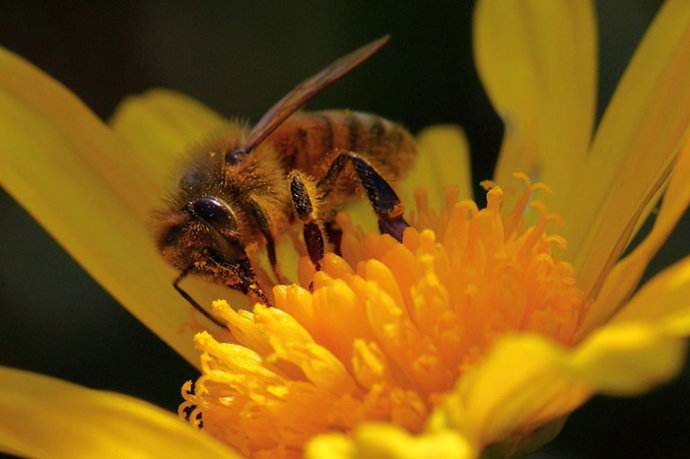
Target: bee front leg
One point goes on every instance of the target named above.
(246, 283)
(382, 197)
(306, 212)
(264, 225)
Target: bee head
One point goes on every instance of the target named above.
(203, 232)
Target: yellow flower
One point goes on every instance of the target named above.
(387, 341)
(472, 334)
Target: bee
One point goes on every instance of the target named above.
(250, 185)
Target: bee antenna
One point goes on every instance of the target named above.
(176, 285)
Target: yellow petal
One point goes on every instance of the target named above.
(628, 359)
(642, 130)
(91, 194)
(537, 60)
(663, 302)
(47, 417)
(386, 441)
(623, 279)
(521, 384)
(443, 161)
(30, 96)
(161, 125)
(528, 380)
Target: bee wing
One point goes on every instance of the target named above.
(299, 96)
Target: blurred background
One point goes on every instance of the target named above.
(238, 58)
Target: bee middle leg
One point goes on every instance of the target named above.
(383, 199)
(306, 211)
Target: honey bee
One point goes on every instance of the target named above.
(250, 185)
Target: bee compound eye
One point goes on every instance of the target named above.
(214, 212)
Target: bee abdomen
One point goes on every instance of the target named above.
(386, 143)
(310, 141)
(357, 131)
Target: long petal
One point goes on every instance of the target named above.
(390, 442)
(626, 274)
(91, 194)
(537, 60)
(159, 126)
(443, 161)
(663, 301)
(48, 417)
(520, 385)
(527, 380)
(642, 130)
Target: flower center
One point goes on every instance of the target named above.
(386, 329)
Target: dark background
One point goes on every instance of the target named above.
(238, 58)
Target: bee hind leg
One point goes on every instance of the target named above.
(306, 212)
(383, 199)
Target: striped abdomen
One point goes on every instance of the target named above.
(310, 141)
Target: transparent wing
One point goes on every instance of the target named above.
(296, 98)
